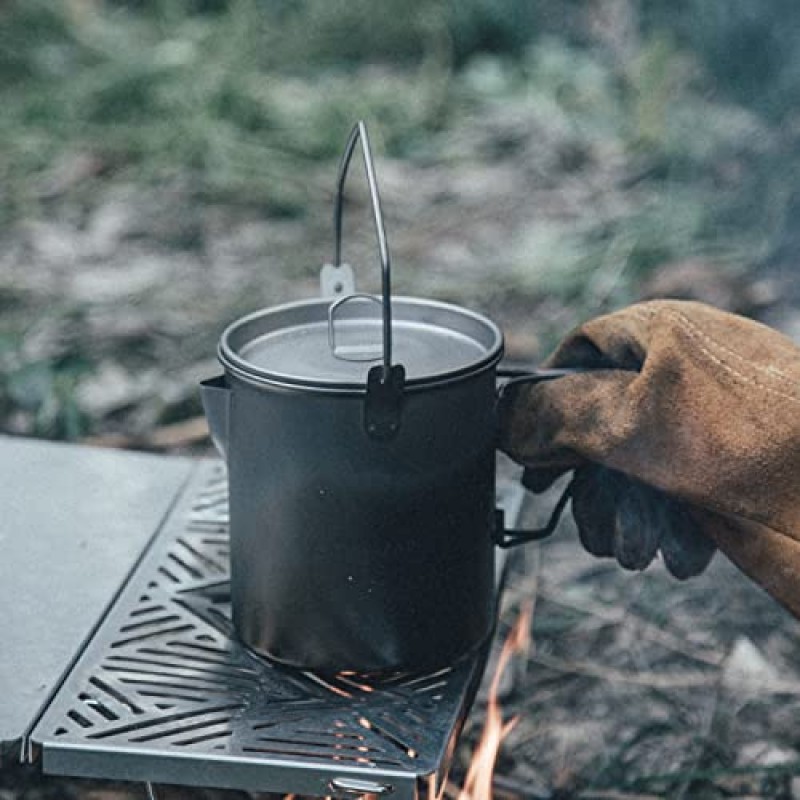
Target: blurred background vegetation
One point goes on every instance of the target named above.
(166, 165)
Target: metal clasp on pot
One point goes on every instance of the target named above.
(336, 280)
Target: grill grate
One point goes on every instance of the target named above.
(165, 693)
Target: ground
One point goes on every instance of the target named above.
(640, 686)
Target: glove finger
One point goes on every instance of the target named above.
(564, 423)
(594, 498)
(686, 550)
(638, 526)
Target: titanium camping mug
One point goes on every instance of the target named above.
(359, 436)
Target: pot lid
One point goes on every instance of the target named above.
(302, 344)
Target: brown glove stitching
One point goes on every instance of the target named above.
(646, 312)
(647, 315)
(697, 335)
(771, 372)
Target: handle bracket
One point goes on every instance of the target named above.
(505, 539)
(383, 405)
(336, 280)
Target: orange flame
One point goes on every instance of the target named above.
(478, 782)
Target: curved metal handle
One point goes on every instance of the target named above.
(518, 376)
(359, 133)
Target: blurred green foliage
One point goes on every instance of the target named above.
(240, 97)
(750, 47)
(42, 390)
(241, 94)
(324, 32)
(168, 90)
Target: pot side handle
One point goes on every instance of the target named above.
(215, 395)
(503, 537)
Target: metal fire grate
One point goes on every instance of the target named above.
(165, 693)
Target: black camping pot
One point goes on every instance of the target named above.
(359, 436)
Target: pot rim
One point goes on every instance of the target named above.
(248, 372)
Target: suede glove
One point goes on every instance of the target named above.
(690, 416)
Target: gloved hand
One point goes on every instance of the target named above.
(690, 416)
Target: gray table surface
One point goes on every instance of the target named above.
(74, 521)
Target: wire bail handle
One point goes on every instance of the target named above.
(359, 134)
(385, 385)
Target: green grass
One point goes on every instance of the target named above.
(172, 93)
(244, 95)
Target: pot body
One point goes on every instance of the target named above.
(350, 553)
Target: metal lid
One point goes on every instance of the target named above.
(319, 345)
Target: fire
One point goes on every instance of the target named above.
(478, 782)
(480, 774)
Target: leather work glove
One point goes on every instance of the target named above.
(684, 435)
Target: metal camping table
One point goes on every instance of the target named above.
(73, 523)
(119, 659)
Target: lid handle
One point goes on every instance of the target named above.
(359, 133)
(362, 351)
